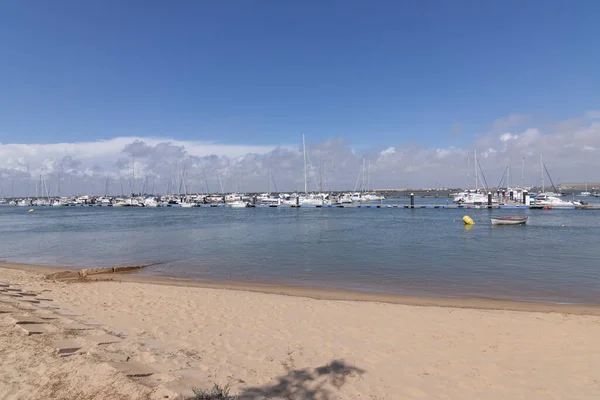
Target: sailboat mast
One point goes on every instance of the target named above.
(362, 185)
(369, 176)
(220, 183)
(476, 171)
(542, 169)
(325, 173)
(508, 176)
(321, 177)
(468, 171)
(523, 174)
(133, 185)
(305, 167)
(270, 179)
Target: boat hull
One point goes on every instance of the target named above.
(509, 220)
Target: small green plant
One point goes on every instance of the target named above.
(216, 393)
(289, 363)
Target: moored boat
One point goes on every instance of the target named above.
(512, 220)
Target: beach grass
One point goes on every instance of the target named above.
(217, 392)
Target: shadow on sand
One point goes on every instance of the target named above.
(305, 384)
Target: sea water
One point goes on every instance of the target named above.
(554, 258)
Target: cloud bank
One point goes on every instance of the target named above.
(571, 150)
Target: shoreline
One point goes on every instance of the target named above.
(318, 293)
(258, 340)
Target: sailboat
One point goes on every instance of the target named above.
(552, 199)
(586, 193)
(474, 196)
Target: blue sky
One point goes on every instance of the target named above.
(261, 72)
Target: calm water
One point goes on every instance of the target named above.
(556, 257)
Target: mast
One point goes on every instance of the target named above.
(133, 173)
(369, 176)
(476, 171)
(270, 180)
(220, 183)
(106, 186)
(468, 171)
(523, 174)
(305, 167)
(321, 177)
(325, 173)
(508, 176)
(362, 184)
(28, 178)
(542, 169)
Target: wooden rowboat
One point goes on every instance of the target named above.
(514, 220)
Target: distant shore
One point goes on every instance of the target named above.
(319, 293)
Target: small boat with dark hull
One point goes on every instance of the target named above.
(512, 220)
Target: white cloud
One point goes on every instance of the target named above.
(570, 154)
(508, 136)
(489, 152)
(388, 151)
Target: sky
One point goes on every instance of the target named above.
(219, 93)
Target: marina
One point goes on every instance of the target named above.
(393, 249)
(391, 203)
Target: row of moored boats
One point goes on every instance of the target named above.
(235, 200)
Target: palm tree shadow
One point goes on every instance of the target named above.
(305, 384)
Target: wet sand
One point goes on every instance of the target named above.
(331, 294)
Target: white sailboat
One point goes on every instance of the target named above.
(547, 199)
(554, 194)
(586, 193)
(473, 197)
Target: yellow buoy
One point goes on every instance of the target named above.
(468, 220)
(30, 210)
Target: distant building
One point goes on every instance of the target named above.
(580, 186)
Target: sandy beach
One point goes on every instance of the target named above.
(289, 343)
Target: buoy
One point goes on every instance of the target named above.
(468, 220)
(31, 210)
